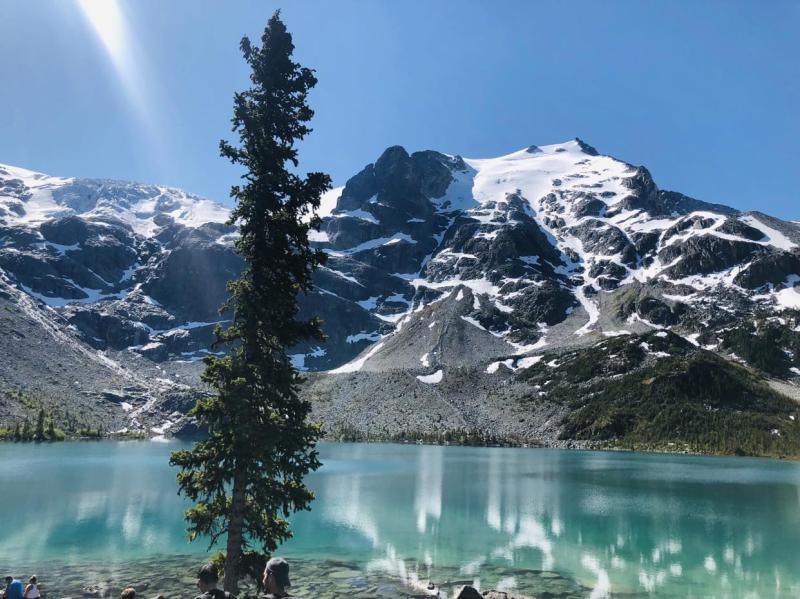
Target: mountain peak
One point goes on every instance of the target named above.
(586, 148)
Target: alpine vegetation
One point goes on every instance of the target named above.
(246, 477)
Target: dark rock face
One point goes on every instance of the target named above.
(586, 148)
(734, 226)
(498, 255)
(646, 196)
(390, 201)
(645, 245)
(772, 268)
(643, 301)
(346, 232)
(690, 223)
(674, 202)
(74, 230)
(589, 205)
(108, 258)
(644, 193)
(17, 237)
(434, 172)
(72, 255)
(40, 274)
(547, 303)
(14, 188)
(65, 231)
(108, 331)
(400, 184)
(607, 274)
(400, 256)
(601, 238)
(347, 277)
(188, 429)
(706, 254)
(180, 342)
(658, 312)
(607, 269)
(192, 279)
(349, 328)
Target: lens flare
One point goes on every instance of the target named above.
(108, 21)
(106, 18)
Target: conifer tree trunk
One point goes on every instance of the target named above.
(233, 553)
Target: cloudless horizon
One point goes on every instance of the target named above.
(703, 94)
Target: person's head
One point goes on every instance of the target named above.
(207, 577)
(276, 575)
(32, 580)
(128, 593)
(9, 579)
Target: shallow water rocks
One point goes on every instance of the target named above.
(468, 592)
(174, 577)
(96, 591)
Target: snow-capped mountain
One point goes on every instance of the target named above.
(30, 198)
(540, 248)
(436, 264)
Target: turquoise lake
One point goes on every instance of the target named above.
(620, 523)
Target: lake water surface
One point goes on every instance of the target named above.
(613, 522)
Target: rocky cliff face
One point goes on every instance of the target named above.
(545, 248)
(437, 265)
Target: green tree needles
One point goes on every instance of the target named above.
(247, 476)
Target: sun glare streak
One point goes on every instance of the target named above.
(106, 18)
(108, 21)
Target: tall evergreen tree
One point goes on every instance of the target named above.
(247, 476)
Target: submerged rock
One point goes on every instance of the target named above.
(468, 592)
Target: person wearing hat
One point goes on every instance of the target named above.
(207, 579)
(276, 579)
(32, 590)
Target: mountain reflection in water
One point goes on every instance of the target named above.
(685, 526)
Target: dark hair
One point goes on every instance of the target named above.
(208, 573)
(279, 568)
(128, 593)
(9, 578)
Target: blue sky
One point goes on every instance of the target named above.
(705, 94)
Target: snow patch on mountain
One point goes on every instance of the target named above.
(431, 379)
(774, 237)
(787, 298)
(357, 364)
(327, 202)
(29, 198)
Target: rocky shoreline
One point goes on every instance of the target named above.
(174, 577)
(568, 444)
